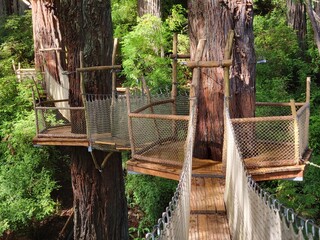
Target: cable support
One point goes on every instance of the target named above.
(313, 164)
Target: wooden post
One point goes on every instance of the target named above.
(296, 132)
(227, 56)
(83, 92)
(114, 75)
(133, 150)
(35, 110)
(144, 84)
(308, 89)
(114, 85)
(174, 91)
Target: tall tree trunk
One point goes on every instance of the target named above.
(315, 22)
(212, 20)
(100, 207)
(99, 200)
(152, 7)
(46, 34)
(296, 17)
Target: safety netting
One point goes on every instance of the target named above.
(174, 223)
(252, 212)
(276, 137)
(107, 118)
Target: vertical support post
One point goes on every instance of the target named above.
(133, 150)
(83, 92)
(226, 73)
(174, 91)
(189, 145)
(144, 84)
(35, 110)
(227, 55)
(296, 131)
(308, 89)
(114, 86)
(306, 124)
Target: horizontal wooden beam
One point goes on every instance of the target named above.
(278, 104)
(160, 116)
(98, 68)
(179, 56)
(50, 49)
(153, 104)
(209, 64)
(261, 119)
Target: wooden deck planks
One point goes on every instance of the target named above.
(208, 220)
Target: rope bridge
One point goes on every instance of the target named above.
(252, 212)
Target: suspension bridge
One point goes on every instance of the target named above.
(213, 200)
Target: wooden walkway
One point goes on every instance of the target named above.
(208, 220)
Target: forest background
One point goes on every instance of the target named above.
(31, 177)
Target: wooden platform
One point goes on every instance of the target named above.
(200, 167)
(62, 136)
(208, 220)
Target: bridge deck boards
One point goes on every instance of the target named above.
(208, 220)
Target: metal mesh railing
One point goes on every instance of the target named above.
(252, 212)
(107, 121)
(51, 122)
(279, 140)
(157, 135)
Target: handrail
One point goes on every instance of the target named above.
(278, 104)
(159, 116)
(262, 119)
(153, 104)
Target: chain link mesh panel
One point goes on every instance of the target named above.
(107, 122)
(252, 212)
(265, 142)
(303, 125)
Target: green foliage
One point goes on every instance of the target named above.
(177, 21)
(152, 194)
(285, 70)
(16, 41)
(26, 174)
(124, 16)
(142, 49)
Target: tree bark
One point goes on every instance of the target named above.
(152, 7)
(46, 33)
(212, 20)
(296, 17)
(8, 7)
(315, 22)
(99, 201)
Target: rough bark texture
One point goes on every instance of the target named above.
(8, 7)
(98, 198)
(46, 33)
(152, 7)
(212, 20)
(296, 17)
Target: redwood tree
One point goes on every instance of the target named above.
(99, 201)
(152, 7)
(212, 20)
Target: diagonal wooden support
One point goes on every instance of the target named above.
(104, 162)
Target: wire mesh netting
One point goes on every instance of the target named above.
(54, 121)
(272, 140)
(107, 121)
(252, 212)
